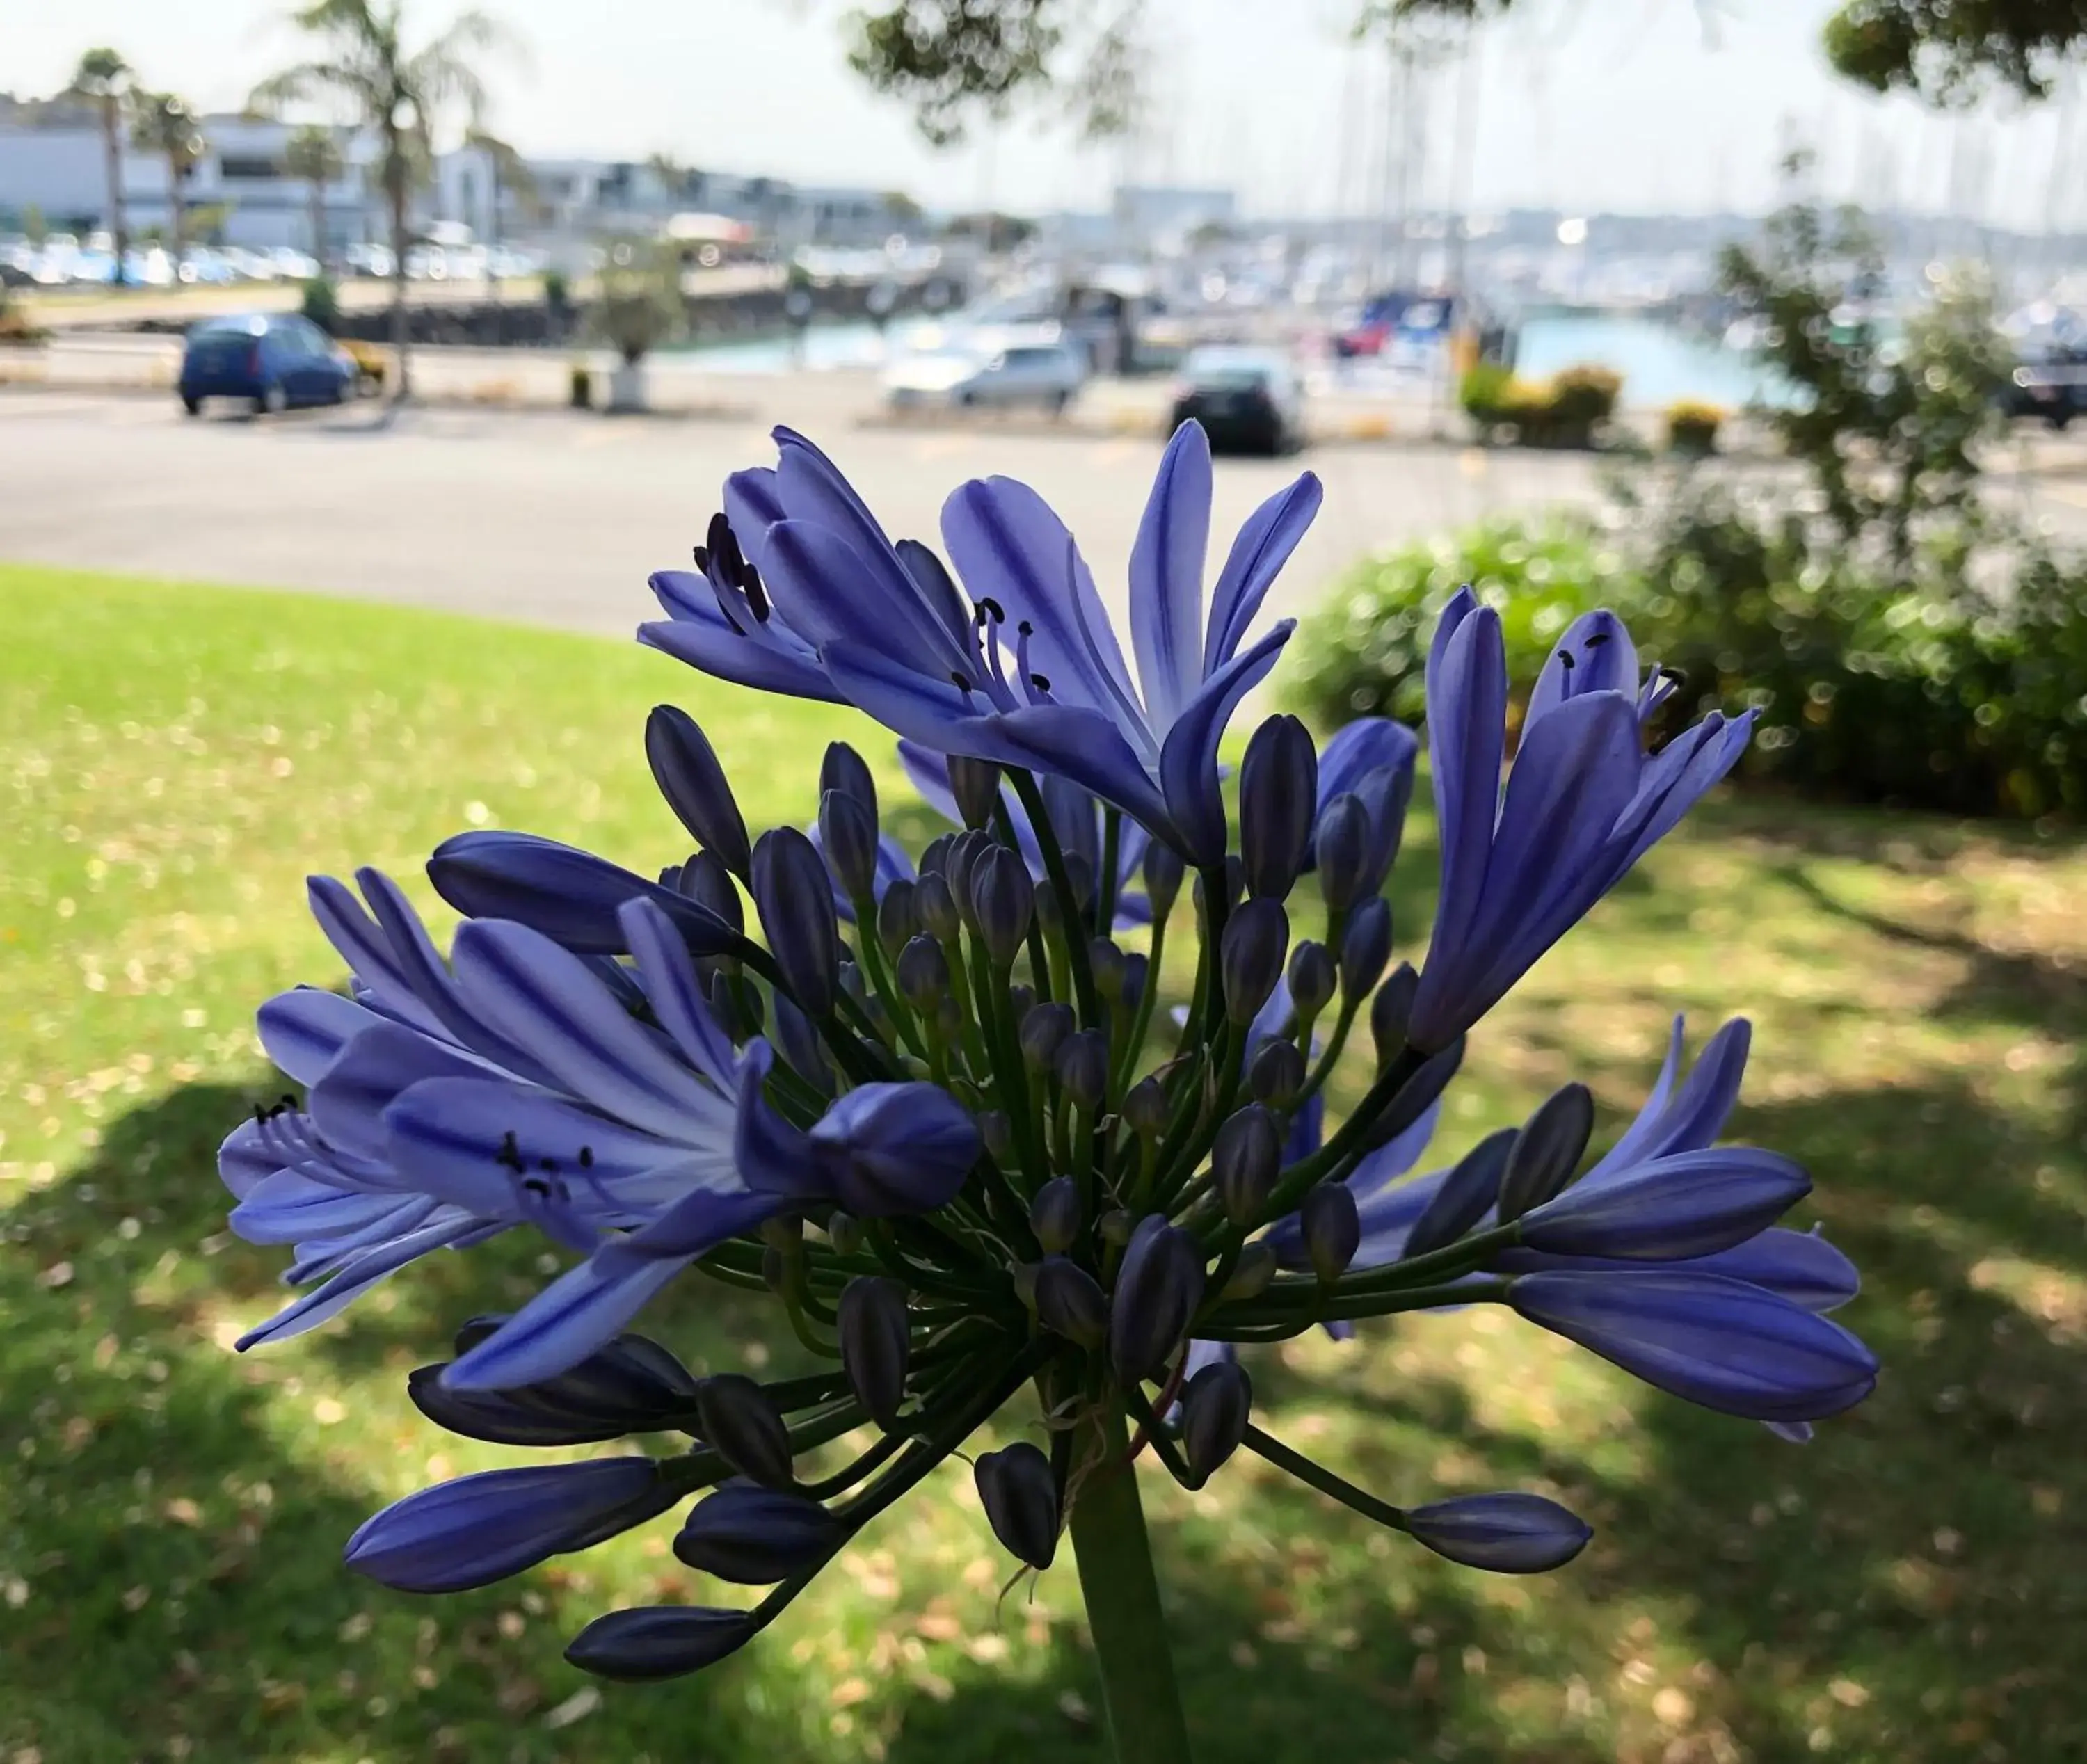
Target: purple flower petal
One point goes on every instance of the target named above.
(1166, 576)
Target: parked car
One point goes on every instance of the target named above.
(271, 360)
(1247, 400)
(1019, 367)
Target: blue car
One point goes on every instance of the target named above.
(270, 360)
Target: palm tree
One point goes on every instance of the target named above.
(314, 155)
(160, 123)
(105, 76)
(510, 172)
(400, 95)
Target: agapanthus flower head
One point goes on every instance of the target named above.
(929, 1107)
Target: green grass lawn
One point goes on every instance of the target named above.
(1911, 1587)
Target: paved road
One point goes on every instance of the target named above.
(558, 518)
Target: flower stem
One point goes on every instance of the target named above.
(1122, 1596)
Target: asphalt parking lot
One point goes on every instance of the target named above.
(556, 518)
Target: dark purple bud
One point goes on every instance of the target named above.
(1465, 1194)
(1365, 947)
(739, 1010)
(950, 1020)
(1048, 914)
(754, 1536)
(1411, 1099)
(965, 849)
(1216, 1404)
(1003, 900)
(1341, 846)
(655, 1642)
(1244, 1159)
(1068, 1301)
(1071, 813)
(1106, 963)
(1552, 1143)
(686, 769)
(1333, 1229)
(1054, 1214)
(795, 902)
(1115, 1227)
(1156, 1291)
(475, 1530)
(936, 907)
(632, 1386)
(845, 770)
(1020, 1496)
(1506, 1534)
(896, 919)
(1312, 979)
(1278, 792)
(1383, 794)
(876, 1344)
(888, 1149)
(740, 1421)
(997, 1131)
(1019, 1000)
(924, 973)
(572, 896)
(1250, 958)
(1164, 870)
(937, 853)
(976, 785)
(799, 1043)
(1043, 1031)
(1252, 1273)
(1276, 1074)
(1083, 1067)
(1145, 1108)
(1390, 1011)
(1137, 969)
(1080, 872)
(847, 834)
(705, 879)
(844, 1232)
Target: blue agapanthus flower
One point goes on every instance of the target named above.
(927, 1104)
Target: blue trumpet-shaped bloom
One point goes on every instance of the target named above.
(1032, 673)
(1583, 802)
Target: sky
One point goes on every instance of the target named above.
(1626, 105)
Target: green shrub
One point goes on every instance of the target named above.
(321, 304)
(1362, 653)
(1692, 426)
(1483, 391)
(1562, 411)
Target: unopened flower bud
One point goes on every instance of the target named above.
(965, 851)
(1022, 1276)
(997, 1131)
(937, 855)
(1156, 1291)
(935, 905)
(1002, 901)
(754, 1536)
(843, 769)
(631, 1385)
(1019, 999)
(1507, 1533)
(1137, 970)
(896, 920)
(686, 769)
(1250, 958)
(1070, 1302)
(1081, 874)
(924, 973)
(1244, 1159)
(739, 1421)
(1331, 1227)
(844, 1233)
(799, 1043)
(706, 881)
(1115, 1226)
(1279, 788)
(1106, 962)
(1470, 1188)
(649, 1642)
(1276, 1073)
(1042, 1033)
(1216, 1404)
(1048, 914)
(739, 1011)
(1253, 1272)
(976, 785)
(1365, 947)
(1054, 1214)
(795, 902)
(1341, 844)
(1390, 1011)
(1083, 1068)
(950, 1020)
(876, 1344)
(1544, 1157)
(1145, 1110)
(1020, 1496)
(1164, 870)
(1312, 979)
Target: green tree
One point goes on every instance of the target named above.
(509, 170)
(401, 95)
(314, 154)
(1950, 51)
(104, 77)
(163, 124)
